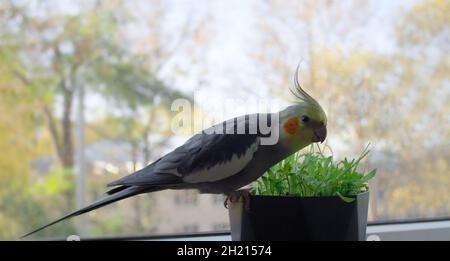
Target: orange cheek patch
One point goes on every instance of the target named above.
(291, 125)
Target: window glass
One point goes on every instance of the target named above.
(90, 92)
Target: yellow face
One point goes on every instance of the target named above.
(303, 128)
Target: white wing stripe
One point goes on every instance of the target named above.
(224, 170)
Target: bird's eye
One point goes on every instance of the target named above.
(305, 118)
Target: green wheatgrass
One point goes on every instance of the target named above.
(315, 174)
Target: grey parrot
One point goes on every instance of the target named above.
(221, 159)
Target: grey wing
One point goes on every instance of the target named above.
(159, 172)
(203, 158)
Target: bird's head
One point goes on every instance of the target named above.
(303, 123)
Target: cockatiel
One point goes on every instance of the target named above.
(222, 163)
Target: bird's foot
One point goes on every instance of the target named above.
(234, 197)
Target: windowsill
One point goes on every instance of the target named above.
(424, 230)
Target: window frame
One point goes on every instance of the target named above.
(407, 230)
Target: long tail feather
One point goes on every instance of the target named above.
(122, 194)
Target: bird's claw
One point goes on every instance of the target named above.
(234, 197)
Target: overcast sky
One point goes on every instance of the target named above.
(234, 34)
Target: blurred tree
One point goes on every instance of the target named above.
(21, 143)
(422, 63)
(372, 96)
(142, 120)
(55, 51)
(17, 121)
(58, 50)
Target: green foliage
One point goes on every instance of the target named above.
(57, 181)
(111, 225)
(315, 174)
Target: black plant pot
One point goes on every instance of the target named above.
(300, 218)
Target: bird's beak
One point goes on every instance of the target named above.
(320, 134)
